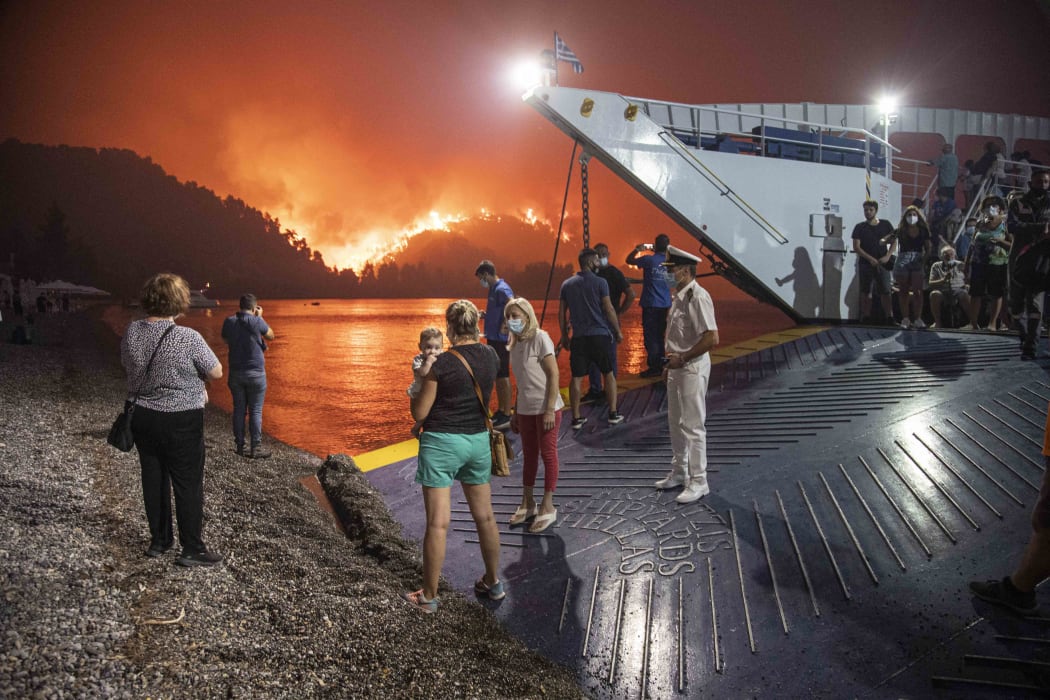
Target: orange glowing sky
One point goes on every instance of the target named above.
(352, 122)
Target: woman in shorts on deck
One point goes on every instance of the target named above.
(537, 410)
(914, 244)
(454, 446)
(168, 422)
(986, 261)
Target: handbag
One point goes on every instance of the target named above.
(502, 452)
(120, 435)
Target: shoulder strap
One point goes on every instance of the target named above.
(477, 389)
(149, 365)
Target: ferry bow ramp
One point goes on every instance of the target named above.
(860, 478)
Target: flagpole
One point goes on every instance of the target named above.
(556, 59)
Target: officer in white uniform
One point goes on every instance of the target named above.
(691, 334)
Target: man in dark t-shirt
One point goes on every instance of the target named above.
(871, 254)
(245, 333)
(585, 303)
(622, 295)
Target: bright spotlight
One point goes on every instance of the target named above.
(525, 74)
(887, 105)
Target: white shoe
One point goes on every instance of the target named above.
(670, 481)
(919, 324)
(906, 324)
(967, 327)
(693, 492)
(932, 326)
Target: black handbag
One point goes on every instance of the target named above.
(120, 435)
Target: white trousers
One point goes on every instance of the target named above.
(686, 415)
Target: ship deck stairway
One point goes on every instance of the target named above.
(860, 478)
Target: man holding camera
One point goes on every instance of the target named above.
(947, 285)
(655, 300)
(246, 334)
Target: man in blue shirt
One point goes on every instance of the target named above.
(655, 301)
(499, 294)
(585, 304)
(245, 332)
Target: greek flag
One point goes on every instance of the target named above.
(562, 52)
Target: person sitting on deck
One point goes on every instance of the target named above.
(948, 290)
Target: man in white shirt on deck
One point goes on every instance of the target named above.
(691, 334)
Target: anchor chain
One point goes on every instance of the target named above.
(586, 204)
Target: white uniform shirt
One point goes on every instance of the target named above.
(692, 313)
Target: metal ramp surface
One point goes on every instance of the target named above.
(860, 478)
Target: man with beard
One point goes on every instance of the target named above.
(1029, 224)
(871, 254)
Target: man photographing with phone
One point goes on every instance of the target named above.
(246, 334)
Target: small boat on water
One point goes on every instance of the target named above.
(199, 301)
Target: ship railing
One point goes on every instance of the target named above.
(765, 135)
(909, 173)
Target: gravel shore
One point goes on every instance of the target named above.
(299, 609)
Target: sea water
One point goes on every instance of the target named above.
(338, 369)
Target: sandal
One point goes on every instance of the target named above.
(494, 592)
(542, 522)
(522, 514)
(417, 600)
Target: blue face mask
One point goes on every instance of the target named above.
(484, 283)
(516, 325)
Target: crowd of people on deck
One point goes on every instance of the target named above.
(986, 272)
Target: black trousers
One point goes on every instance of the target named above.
(171, 452)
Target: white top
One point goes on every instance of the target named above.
(525, 359)
(692, 314)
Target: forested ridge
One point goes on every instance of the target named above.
(110, 218)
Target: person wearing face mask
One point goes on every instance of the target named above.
(986, 261)
(1029, 223)
(964, 238)
(499, 293)
(691, 334)
(622, 296)
(947, 286)
(585, 302)
(537, 411)
(914, 241)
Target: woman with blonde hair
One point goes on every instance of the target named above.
(537, 410)
(454, 446)
(167, 367)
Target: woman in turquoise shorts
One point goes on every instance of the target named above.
(454, 446)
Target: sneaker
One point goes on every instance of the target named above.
(239, 449)
(932, 326)
(1027, 352)
(577, 423)
(652, 372)
(670, 481)
(494, 592)
(906, 324)
(693, 492)
(967, 327)
(1006, 594)
(259, 452)
(500, 420)
(199, 559)
(158, 550)
(615, 418)
(919, 324)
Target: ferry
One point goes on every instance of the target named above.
(861, 476)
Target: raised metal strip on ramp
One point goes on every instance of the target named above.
(860, 478)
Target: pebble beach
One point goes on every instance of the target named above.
(304, 606)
